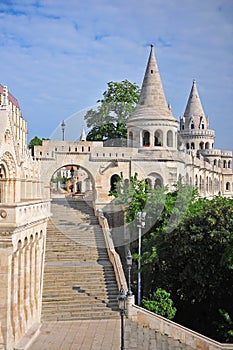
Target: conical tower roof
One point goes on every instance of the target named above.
(194, 106)
(83, 135)
(152, 102)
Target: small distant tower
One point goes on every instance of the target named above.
(63, 130)
(194, 132)
(83, 135)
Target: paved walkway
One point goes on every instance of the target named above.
(79, 335)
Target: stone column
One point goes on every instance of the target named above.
(26, 280)
(22, 321)
(6, 338)
(32, 278)
(14, 295)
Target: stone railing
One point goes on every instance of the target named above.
(174, 330)
(113, 255)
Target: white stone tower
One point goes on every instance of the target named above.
(152, 125)
(194, 133)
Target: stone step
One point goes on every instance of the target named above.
(79, 280)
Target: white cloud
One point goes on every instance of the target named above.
(57, 56)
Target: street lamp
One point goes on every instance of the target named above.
(122, 307)
(129, 261)
(141, 217)
(63, 130)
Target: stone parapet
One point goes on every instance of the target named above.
(174, 330)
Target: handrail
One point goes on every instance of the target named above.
(112, 254)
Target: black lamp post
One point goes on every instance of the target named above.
(129, 261)
(63, 130)
(141, 216)
(122, 307)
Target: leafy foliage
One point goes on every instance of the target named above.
(36, 141)
(108, 121)
(187, 250)
(160, 303)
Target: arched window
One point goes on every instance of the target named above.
(192, 125)
(187, 145)
(146, 139)
(149, 183)
(158, 138)
(224, 163)
(207, 145)
(196, 181)
(192, 145)
(215, 161)
(202, 145)
(114, 181)
(2, 184)
(229, 164)
(169, 138)
(228, 186)
(158, 183)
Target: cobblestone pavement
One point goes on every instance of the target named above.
(79, 335)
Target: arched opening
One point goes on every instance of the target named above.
(187, 145)
(2, 184)
(201, 145)
(196, 181)
(207, 145)
(192, 145)
(146, 138)
(228, 186)
(158, 183)
(169, 139)
(114, 181)
(149, 183)
(224, 164)
(229, 164)
(154, 180)
(158, 138)
(71, 181)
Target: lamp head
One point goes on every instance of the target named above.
(129, 259)
(122, 299)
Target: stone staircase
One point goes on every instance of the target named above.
(79, 280)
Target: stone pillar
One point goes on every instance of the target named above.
(6, 338)
(26, 280)
(22, 322)
(14, 293)
(130, 302)
(32, 277)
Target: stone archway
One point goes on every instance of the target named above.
(72, 180)
(7, 176)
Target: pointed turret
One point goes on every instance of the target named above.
(194, 129)
(83, 135)
(194, 106)
(152, 102)
(152, 125)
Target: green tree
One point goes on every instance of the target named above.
(36, 141)
(160, 303)
(194, 263)
(187, 250)
(108, 121)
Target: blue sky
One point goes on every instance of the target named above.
(58, 55)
